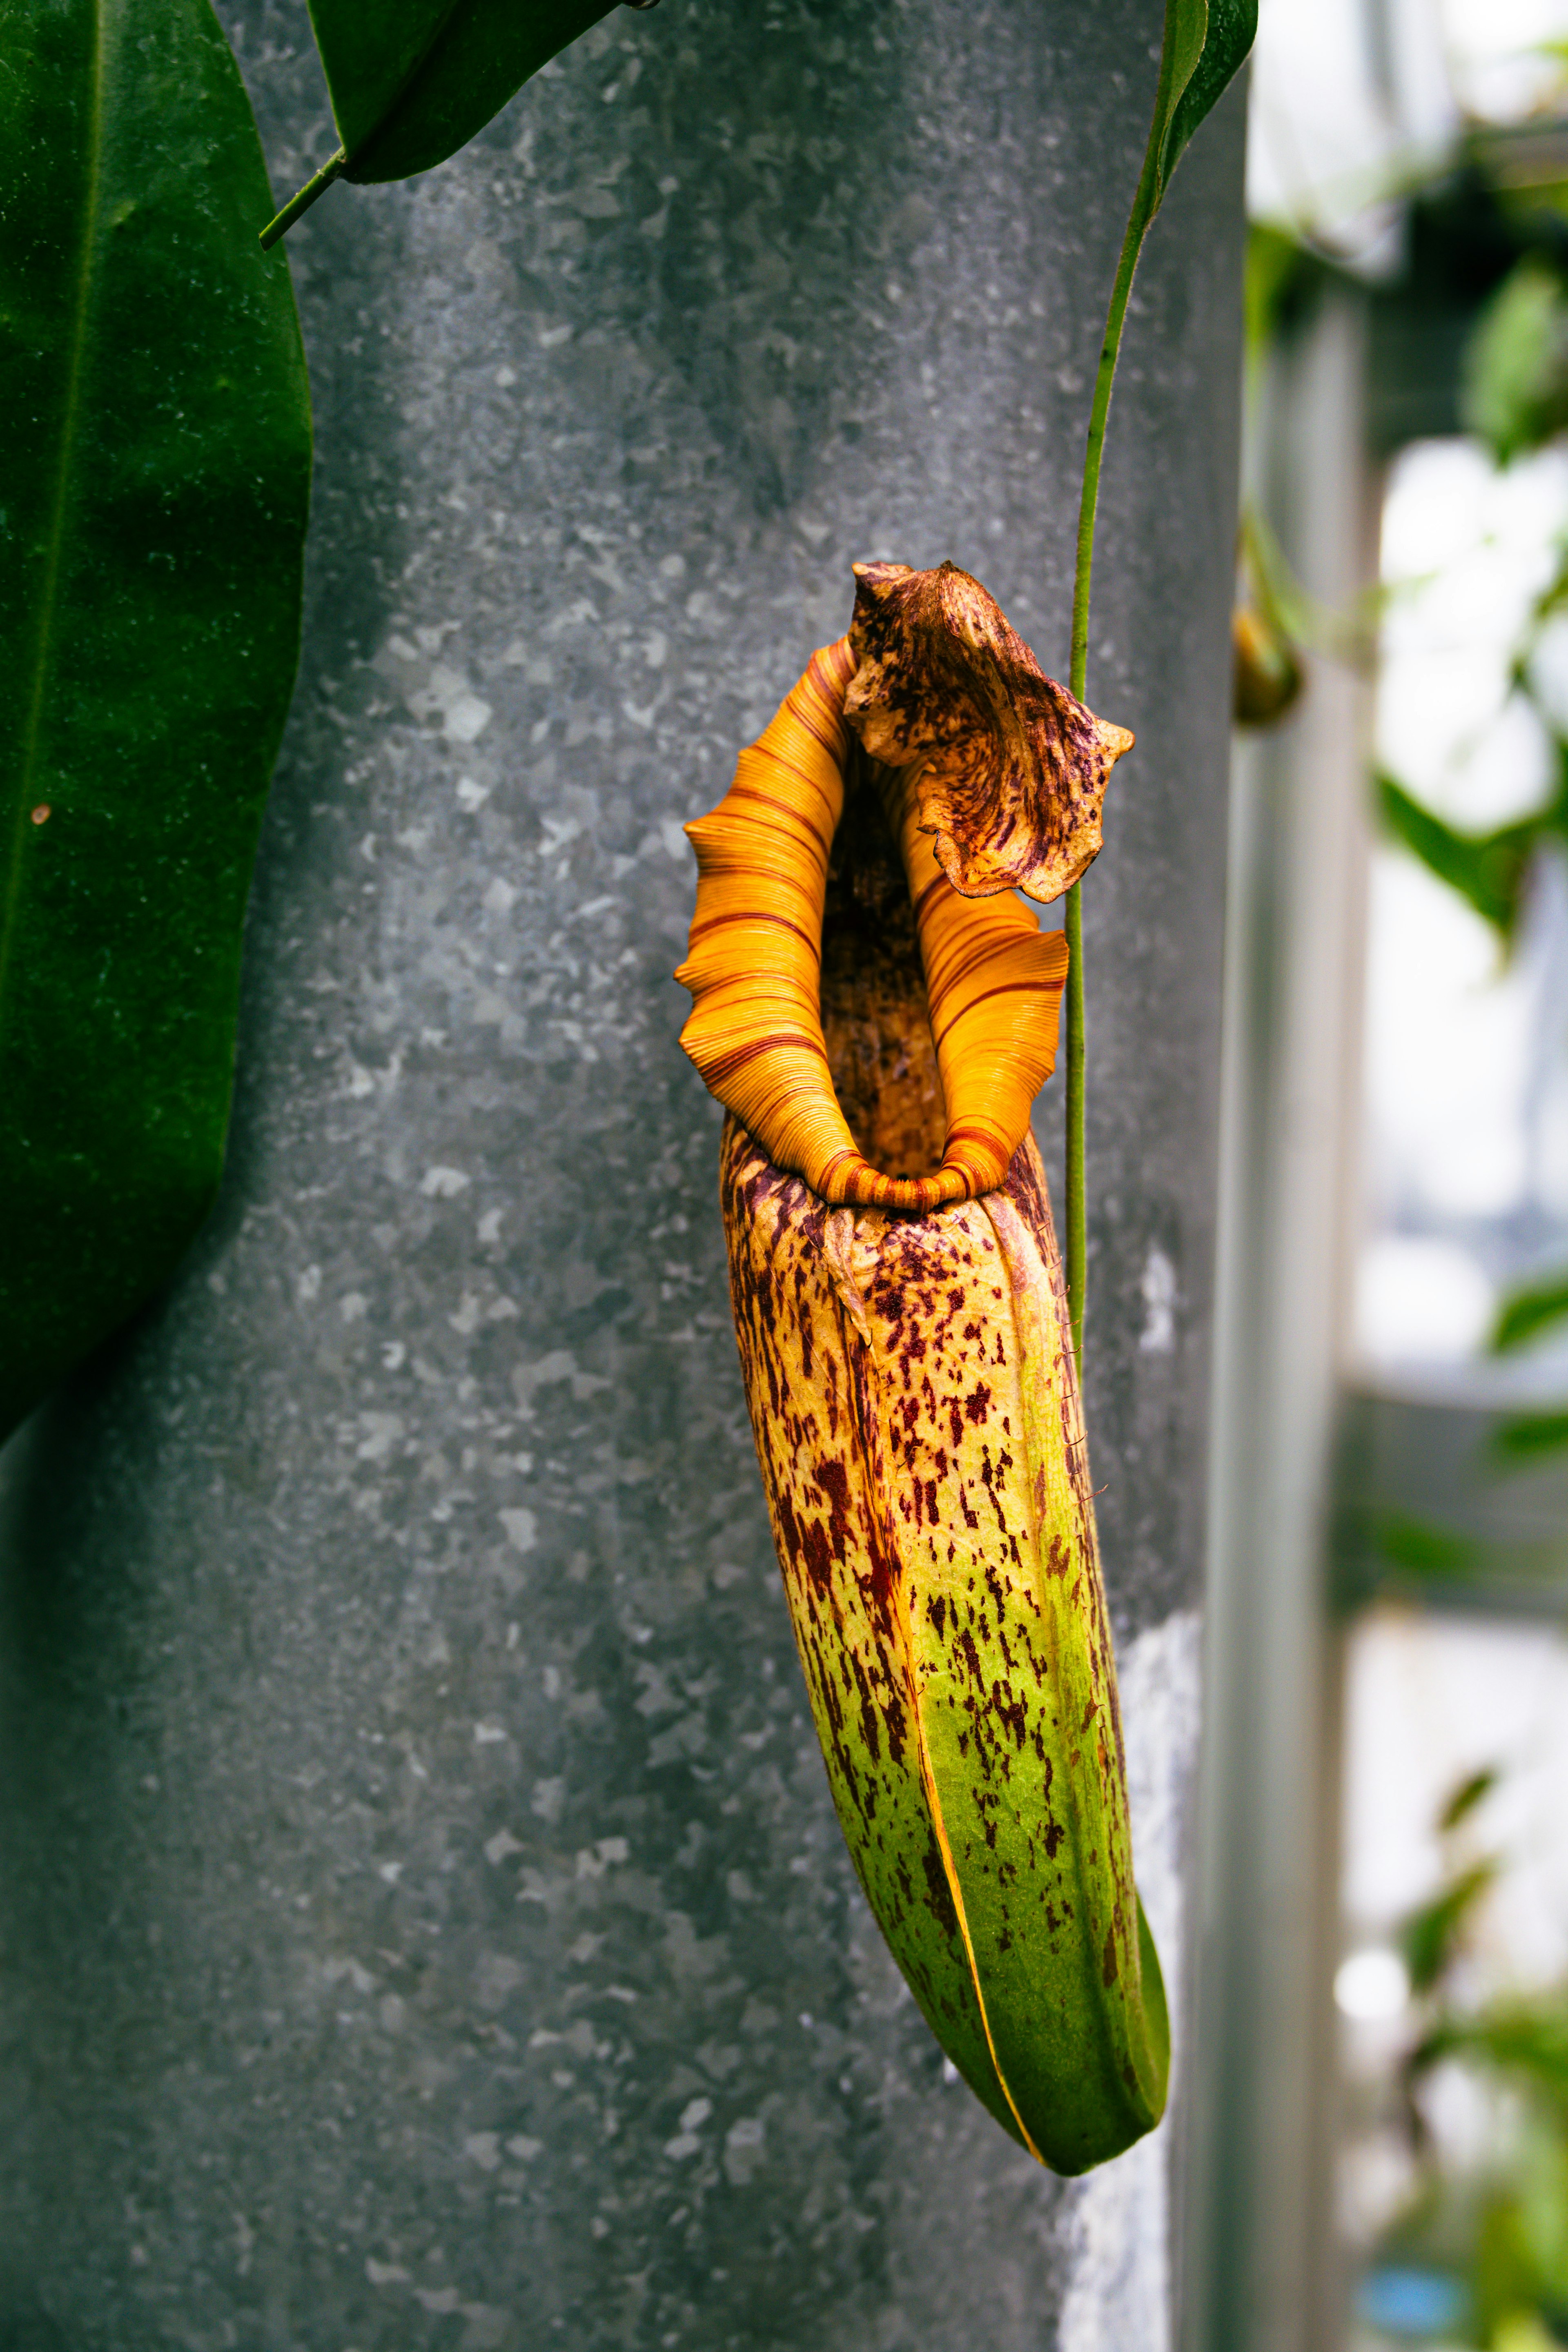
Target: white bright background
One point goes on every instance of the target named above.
(1353, 99)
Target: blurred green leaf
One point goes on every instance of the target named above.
(1524, 1435)
(1543, 2210)
(1525, 2039)
(1345, 636)
(1429, 1937)
(1276, 265)
(1533, 1308)
(1552, 600)
(1462, 1801)
(1553, 597)
(1515, 390)
(1507, 2225)
(1278, 271)
(1499, 2218)
(155, 476)
(1422, 1547)
(1488, 869)
(1508, 2285)
(412, 80)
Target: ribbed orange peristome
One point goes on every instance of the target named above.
(993, 980)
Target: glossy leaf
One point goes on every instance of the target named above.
(412, 80)
(153, 485)
(1206, 42)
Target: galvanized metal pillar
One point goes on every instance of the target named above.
(1260, 2244)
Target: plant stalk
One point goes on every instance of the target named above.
(301, 203)
(1074, 1204)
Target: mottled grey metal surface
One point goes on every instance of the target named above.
(423, 1922)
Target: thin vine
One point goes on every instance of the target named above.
(1205, 41)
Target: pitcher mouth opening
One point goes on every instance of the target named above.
(871, 999)
(876, 1016)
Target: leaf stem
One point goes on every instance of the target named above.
(305, 198)
(1074, 1204)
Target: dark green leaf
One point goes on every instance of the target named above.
(412, 80)
(1528, 1310)
(1462, 1801)
(153, 479)
(1429, 1937)
(1422, 1547)
(1279, 275)
(1525, 1435)
(1180, 54)
(1222, 32)
(1488, 868)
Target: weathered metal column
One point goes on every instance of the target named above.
(422, 1919)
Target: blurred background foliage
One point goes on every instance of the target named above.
(1408, 180)
(1479, 2251)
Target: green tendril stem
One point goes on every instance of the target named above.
(301, 203)
(1075, 1205)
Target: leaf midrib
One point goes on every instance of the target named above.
(49, 597)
